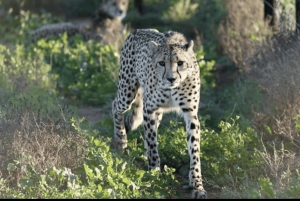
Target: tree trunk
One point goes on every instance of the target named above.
(139, 6)
(297, 15)
(271, 9)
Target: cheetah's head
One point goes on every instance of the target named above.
(115, 8)
(172, 63)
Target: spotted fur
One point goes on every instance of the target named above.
(106, 25)
(158, 73)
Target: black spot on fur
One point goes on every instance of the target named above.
(193, 126)
(185, 109)
(192, 139)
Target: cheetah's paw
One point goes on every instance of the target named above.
(199, 194)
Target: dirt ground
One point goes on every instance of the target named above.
(92, 114)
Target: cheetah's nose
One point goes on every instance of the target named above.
(171, 79)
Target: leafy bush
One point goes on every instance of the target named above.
(206, 67)
(85, 71)
(17, 29)
(233, 100)
(173, 147)
(22, 71)
(227, 153)
(69, 8)
(230, 152)
(102, 174)
(206, 22)
(181, 10)
(123, 177)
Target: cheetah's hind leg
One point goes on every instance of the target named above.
(135, 119)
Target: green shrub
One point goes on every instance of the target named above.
(17, 29)
(85, 71)
(173, 146)
(22, 71)
(67, 8)
(229, 152)
(124, 178)
(180, 10)
(206, 21)
(103, 174)
(208, 80)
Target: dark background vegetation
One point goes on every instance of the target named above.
(248, 53)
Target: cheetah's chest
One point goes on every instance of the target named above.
(166, 101)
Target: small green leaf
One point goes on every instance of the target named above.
(97, 142)
(99, 188)
(126, 180)
(140, 174)
(266, 187)
(110, 181)
(268, 129)
(25, 183)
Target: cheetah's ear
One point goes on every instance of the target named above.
(153, 46)
(190, 45)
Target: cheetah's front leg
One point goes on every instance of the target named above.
(193, 145)
(150, 138)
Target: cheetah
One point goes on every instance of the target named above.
(159, 73)
(105, 26)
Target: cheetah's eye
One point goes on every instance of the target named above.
(179, 63)
(162, 63)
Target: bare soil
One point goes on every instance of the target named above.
(92, 114)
